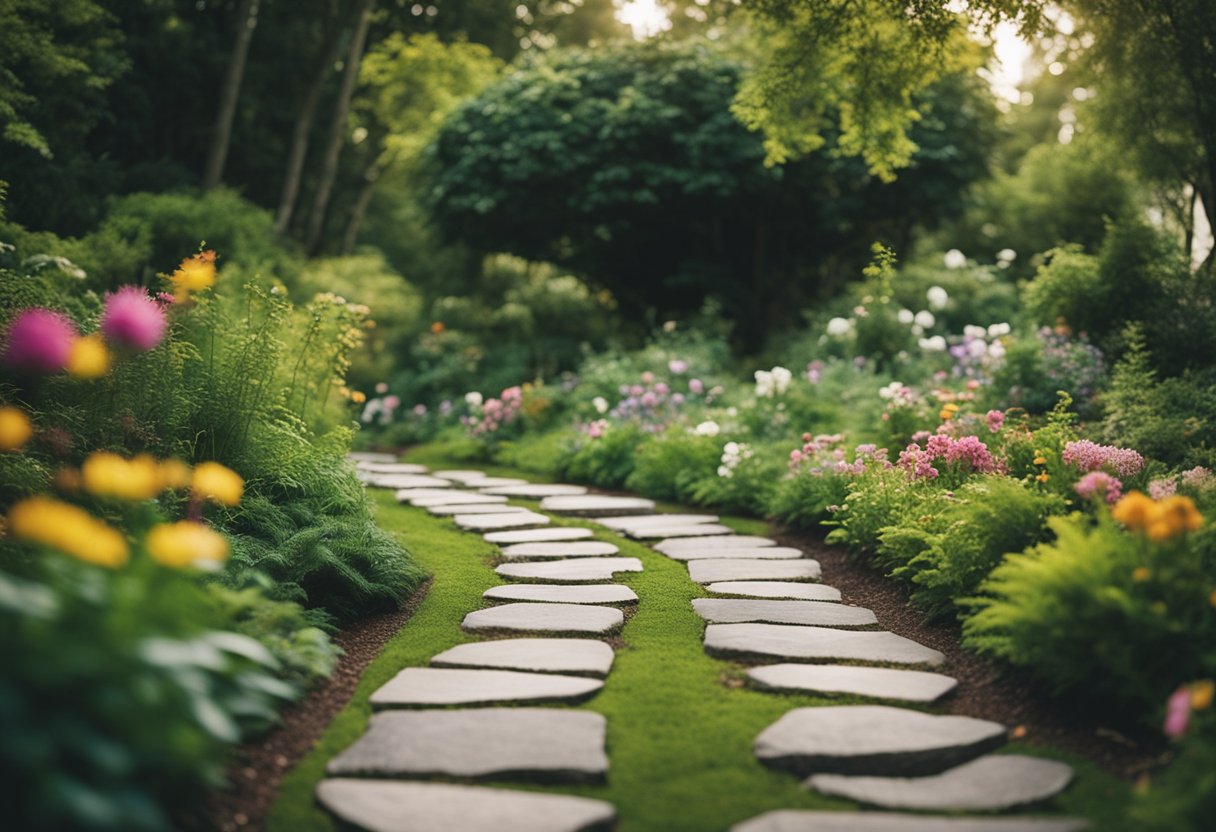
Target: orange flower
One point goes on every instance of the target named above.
(1141, 574)
(437, 328)
(15, 428)
(1135, 510)
(193, 275)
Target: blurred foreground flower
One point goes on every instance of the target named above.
(39, 341)
(89, 358)
(133, 320)
(69, 529)
(193, 275)
(1160, 520)
(184, 543)
(15, 428)
(213, 481)
(109, 475)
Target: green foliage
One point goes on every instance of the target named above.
(805, 500)
(607, 461)
(1183, 796)
(875, 500)
(672, 465)
(749, 487)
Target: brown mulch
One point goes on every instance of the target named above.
(258, 767)
(987, 690)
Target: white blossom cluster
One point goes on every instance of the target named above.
(733, 453)
(774, 382)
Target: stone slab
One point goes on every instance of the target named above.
(572, 656)
(474, 508)
(536, 744)
(989, 784)
(797, 820)
(876, 682)
(593, 505)
(816, 644)
(697, 530)
(486, 522)
(813, 613)
(563, 594)
(407, 481)
(560, 549)
(545, 618)
(638, 520)
(758, 553)
(776, 589)
(408, 495)
(539, 535)
(391, 468)
(370, 456)
(874, 740)
(385, 806)
(491, 482)
(461, 476)
(455, 497)
(712, 570)
(427, 687)
(576, 571)
(536, 491)
(739, 541)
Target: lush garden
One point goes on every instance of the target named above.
(858, 290)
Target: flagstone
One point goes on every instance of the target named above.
(474, 508)
(407, 481)
(572, 656)
(876, 682)
(424, 687)
(539, 535)
(815, 613)
(579, 570)
(640, 520)
(708, 571)
(687, 530)
(776, 589)
(560, 549)
(545, 618)
(757, 553)
(536, 491)
(455, 497)
(739, 541)
(596, 505)
(799, 820)
(563, 593)
(485, 522)
(816, 644)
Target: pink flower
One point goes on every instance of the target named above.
(1090, 456)
(1198, 477)
(1177, 713)
(1099, 482)
(996, 421)
(648, 377)
(132, 319)
(696, 386)
(677, 367)
(1161, 488)
(419, 410)
(392, 402)
(39, 341)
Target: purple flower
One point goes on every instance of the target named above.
(1177, 713)
(39, 341)
(1099, 482)
(132, 319)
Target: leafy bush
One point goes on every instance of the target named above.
(607, 461)
(876, 499)
(672, 464)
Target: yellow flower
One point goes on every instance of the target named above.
(1141, 574)
(89, 358)
(109, 475)
(1180, 513)
(358, 397)
(1201, 694)
(1040, 460)
(214, 481)
(185, 542)
(69, 529)
(1043, 477)
(948, 412)
(1212, 598)
(15, 428)
(1135, 510)
(174, 474)
(193, 275)
(1158, 520)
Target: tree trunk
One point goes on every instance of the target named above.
(337, 129)
(302, 130)
(246, 22)
(359, 210)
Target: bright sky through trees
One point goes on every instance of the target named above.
(644, 17)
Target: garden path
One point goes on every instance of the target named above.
(411, 770)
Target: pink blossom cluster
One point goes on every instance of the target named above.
(653, 403)
(495, 412)
(1090, 456)
(996, 420)
(1199, 478)
(1099, 482)
(1161, 488)
(821, 455)
(967, 453)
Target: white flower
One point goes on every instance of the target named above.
(918, 330)
(924, 318)
(473, 399)
(977, 348)
(709, 428)
(781, 379)
(996, 350)
(955, 259)
(764, 383)
(1006, 256)
(937, 297)
(730, 449)
(973, 331)
(838, 327)
(905, 316)
(600, 404)
(725, 472)
(935, 344)
(999, 330)
(669, 326)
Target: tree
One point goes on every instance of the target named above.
(246, 22)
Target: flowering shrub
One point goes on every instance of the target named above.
(1090, 456)
(957, 458)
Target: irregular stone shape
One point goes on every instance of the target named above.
(669, 532)
(640, 520)
(708, 571)
(380, 806)
(460, 476)
(425, 687)
(557, 593)
(370, 456)
(573, 656)
(582, 570)
(545, 618)
(594, 505)
(408, 495)
(536, 491)
(874, 740)
(474, 508)
(814, 613)
(561, 549)
(541, 744)
(455, 497)
(539, 535)
(491, 482)
(776, 589)
(758, 553)
(391, 468)
(795, 820)
(816, 644)
(877, 682)
(738, 541)
(483, 522)
(407, 481)
(989, 784)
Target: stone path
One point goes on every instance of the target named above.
(764, 601)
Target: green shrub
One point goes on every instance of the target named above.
(804, 500)
(750, 483)
(669, 466)
(607, 461)
(1183, 797)
(878, 499)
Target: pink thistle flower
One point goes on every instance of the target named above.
(132, 319)
(1096, 482)
(1177, 713)
(39, 341)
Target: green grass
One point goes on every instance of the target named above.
(679, 739)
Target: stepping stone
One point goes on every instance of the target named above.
(407, 481)
(391, 468)
(453, 497)
(561, 549)
(874, 740)
(877, 682)
(581, 570)
(758, 553)
(370, 456)
(816, 644)
(557, 593)
(545, 618)
(796, 820)
(640, 520)
(539, 535)
(380, 806)
(708, 571)
(491, 482)
(776, 589)
(536, 491)
(475, 508)
(688, 544)
(460, 476)
(573, 656)
(813, 613)
(510, 520)
(593, 505)
(995, 783)
(689, 530)
(408, 495)
(428, 687)
(537, 744)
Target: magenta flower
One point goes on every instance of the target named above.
(1099, 482)
(996, 421)
(39, 341)
(1090, 456)
(1177, 713)
(132, 319)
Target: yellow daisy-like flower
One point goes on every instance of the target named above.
(193, 275)
(69, 529)
(1202, 693)
(15, 428)
(215, 482)
(1043, 477)
(1135, 510)
(109, 475)
(358, 397)
(1141, 574)
(89, 358)
(174, 474)
(1040, 460)
(184, 543)
(1159, 521)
